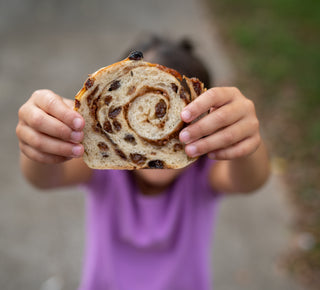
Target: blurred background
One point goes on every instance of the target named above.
(269, 240)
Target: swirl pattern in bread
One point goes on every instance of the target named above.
(132, 115)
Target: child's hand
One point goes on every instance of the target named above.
(229, 131)
(49, 130)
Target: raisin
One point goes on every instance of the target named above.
(103, 146)
(117, 126)
(183, 94)
(77, 104)
(130, 139)
(114, 112)
(89, 83)
(107, 127)
(174, 87)
(177, 147)
(91, 95)
(96, 128)
(138, 158)
(94, 106)
(161, 109)
(136, 55)
(114, 86)
(156, 164)
(104, 154)
(107, 100)
(185, 86)
(121, 154)
(196, 86)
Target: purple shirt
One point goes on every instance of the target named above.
(149, 243)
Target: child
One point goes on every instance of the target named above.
(149, 229)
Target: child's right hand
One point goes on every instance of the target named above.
(49, 130)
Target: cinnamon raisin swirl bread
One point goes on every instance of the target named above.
(132, 115)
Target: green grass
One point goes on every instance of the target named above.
(275, 45)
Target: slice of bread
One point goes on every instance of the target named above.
(132, 115)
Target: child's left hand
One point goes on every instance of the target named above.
(229, 131)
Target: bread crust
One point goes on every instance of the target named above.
(132, 115)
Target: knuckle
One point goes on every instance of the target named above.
(52, 101)
(221, 117)
(36, 94)
(21, 112)
(22, 148)
(256, 124)
(36, 120)
(37, 142)
(257, 141)
(18, 130)
(235, 90)
(211, 93)
(228, 137)
(40, 157)
(249, 105)
(197, 106)
(240, 152)
(27, 153)
(32, 154)
(39, 93)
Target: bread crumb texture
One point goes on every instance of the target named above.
(132, 115)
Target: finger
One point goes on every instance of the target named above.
(56, 107)
(216, 120)
(49, 145)
(69, 103)
(215, 97)
(40, 156)
(44, 123)
(241, 149)
(221, 139)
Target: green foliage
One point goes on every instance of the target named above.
(277, 48)
(279, 41)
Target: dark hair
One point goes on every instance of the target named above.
(178, 55)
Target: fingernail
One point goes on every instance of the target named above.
(77, 123)
(76, 150)
(191, 150)
(76, 136)
(185, 115)
(184, 136)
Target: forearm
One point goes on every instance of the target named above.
(243, 174)
(41, 175)
(46, 176)
(251, 172)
